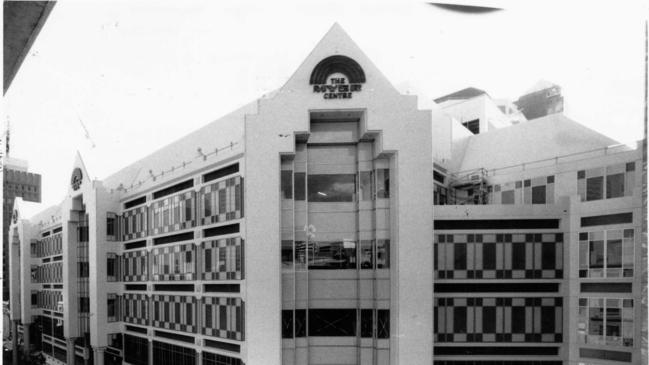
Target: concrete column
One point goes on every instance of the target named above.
(150, 352)
(14, 341)
(199, 358)
(26, 342)
(70, 350)
(99, 355)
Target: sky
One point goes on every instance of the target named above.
(137, 75)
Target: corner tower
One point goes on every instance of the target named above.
(339, 233)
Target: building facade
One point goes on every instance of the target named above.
(16, 182)
(299, 229)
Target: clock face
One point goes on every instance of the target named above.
(77, 177)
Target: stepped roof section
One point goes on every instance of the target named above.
(544, 138)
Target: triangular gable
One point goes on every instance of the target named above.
(332, 55)
(79, 176)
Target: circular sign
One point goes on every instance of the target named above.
(77, 177)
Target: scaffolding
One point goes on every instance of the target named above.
(468, 188)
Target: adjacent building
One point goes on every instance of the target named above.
(333, 222)
(17, 181)
(544, 98)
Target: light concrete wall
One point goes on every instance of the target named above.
(405, 132)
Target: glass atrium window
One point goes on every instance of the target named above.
(332, 188)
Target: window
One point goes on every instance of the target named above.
(507, 197)
(608, 182)
(332, 188)
(287, 254)
(460, 256)
(459, 320)
(538, 194)
(84, 304)
(111, 308)
(111, 267)
(366, 188)
(207, 205)
(473, 126)
(332, 322)
(606, 253)
(367, 254)
(168, 354)
(216, 359)
(382, 254)
(383, 183)
(614, 186)
(383, 323)
(489, 256)
(111, 226)
(332, 255)
(287, 184)
(300, 186)
(605, 321)
(594, 188)
(287, 323)
(367, 323)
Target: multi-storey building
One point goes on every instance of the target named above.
(248, 241)
(299, 230)
(17, 181)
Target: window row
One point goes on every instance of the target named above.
(607, 254)
(212, 316)
(538, 190)
(498, 319)
(51, 326)
(605, 321)
(48, 246)
(336, 323)
(336, 255)
(136, 352)
(50, 299)
(220, 259)
(216, 202)
(498, 256)
(47, 273)
(608, 182)
(327, 188)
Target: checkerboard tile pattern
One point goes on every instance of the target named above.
(223, 317)
(498, 319)
(221, 201)
(134, 223)
(223, 259)
(173, 213)
(499, 256)
(522, 191)
(174, 312)
(134, 266)
(174, 262)
(135, 308)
